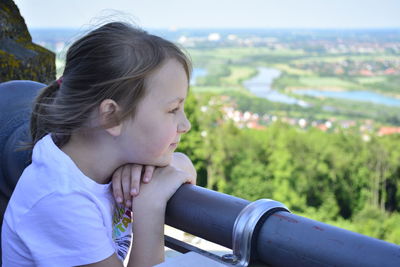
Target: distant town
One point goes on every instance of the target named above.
(252, 120)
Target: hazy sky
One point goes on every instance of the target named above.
(217, 13)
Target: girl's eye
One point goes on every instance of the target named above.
(174, 110)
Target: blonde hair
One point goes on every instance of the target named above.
(110, 62)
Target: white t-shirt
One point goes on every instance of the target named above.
(57, 216)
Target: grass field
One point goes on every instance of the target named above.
(326, 82)
(220, 89)
(238, 74)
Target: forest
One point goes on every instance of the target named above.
(334, 177)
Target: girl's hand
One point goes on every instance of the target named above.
(155, 195)
(126, 179)
(126, 182)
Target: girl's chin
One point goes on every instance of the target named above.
(162, 161)
(155, 160)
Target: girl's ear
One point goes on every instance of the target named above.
(108, 115)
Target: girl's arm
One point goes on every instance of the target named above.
(148, 218)
(148, 238)
(183, 162)
(148, 215)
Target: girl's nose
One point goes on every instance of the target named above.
(184, 126)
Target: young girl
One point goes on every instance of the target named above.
(120, 101)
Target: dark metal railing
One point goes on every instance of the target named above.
(280, 238)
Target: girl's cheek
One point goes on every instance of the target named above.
(161, 142)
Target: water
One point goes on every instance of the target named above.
(260, 86)
(363, 96)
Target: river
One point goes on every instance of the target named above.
(260, 86)
(364, 96)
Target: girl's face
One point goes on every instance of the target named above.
(154, 133)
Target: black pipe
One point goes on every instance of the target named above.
(283, 239)
(204, 213)
(287, 239)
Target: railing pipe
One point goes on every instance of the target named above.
(283, 239)
(204, 213)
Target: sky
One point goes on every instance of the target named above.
(175, 14)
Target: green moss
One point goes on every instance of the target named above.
(5, 8)
(40, 67)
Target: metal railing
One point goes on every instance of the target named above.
(279, 238)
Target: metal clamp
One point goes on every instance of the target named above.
(245, 225)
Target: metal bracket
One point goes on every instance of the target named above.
(245, 225)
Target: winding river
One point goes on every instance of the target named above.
(260, 86)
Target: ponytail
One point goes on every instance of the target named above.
(40, 125)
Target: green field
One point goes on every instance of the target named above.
(229, 67)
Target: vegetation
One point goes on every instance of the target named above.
(333, 177)
(229, 67)
(20, 59)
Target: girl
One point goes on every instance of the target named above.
(120, 101)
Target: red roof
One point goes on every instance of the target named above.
(390, 71)
(388, 130)
(366, 72)
(322, 127)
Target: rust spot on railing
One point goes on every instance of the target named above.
(283, 217)
(318, 228)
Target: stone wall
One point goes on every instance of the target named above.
(20, 59)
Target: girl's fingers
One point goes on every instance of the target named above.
(190, 179)
(116, 186)
(148, 173)
(126, 184)
(136, 173)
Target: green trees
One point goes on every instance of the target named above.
(333, 177)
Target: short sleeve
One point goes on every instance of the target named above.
(65, 230)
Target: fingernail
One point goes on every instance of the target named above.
(119, 199)
(146, 179)
(128, 203)
(133, 191)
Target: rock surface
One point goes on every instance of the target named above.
(20, 59)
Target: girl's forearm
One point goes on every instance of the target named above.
(148, 238)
